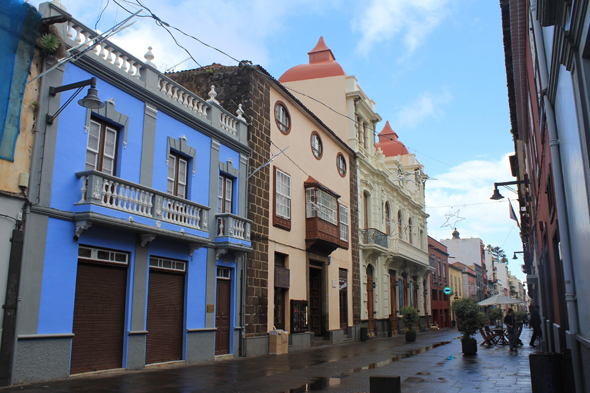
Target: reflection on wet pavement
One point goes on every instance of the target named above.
(323, 382)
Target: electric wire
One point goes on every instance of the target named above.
(100, 15)
(165, 26)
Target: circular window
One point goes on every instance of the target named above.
(282, 118)
(341, 164)
(316, 145)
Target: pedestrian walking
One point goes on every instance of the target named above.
(509, 321)
(536, 325)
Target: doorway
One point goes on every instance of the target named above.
(223, 311)
(343, 289)
(370, 311)
(315, 300)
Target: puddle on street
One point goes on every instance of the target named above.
(322, 383)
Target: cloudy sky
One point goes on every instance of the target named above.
(435, 69)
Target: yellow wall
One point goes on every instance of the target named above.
(24, 144)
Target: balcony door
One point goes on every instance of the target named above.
(101, 148)
(315, 300)
(392, 291)
(370, 297)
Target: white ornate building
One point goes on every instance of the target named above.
(393, 255)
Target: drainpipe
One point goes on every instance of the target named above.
(568, 270)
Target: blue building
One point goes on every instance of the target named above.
(137, 235)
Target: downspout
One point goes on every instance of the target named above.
(570, 288)
(242, 307)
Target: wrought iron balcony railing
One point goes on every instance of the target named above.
(374, 236)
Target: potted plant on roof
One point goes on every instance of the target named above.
(409, 316)
(469, 320)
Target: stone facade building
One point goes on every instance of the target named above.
(301, 275)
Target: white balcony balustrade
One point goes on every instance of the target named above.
(230, 225)
(122, 195)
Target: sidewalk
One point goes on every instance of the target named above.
(433, 363)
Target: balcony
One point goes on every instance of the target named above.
(151, 207)
(408, 251)
(322, 237)
(373, 236)
(232, 228)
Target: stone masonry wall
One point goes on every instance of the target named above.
(354, 237)
(244, 85)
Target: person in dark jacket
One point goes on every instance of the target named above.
(536, 325)
(510, 323)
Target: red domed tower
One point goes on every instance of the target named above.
(322, 64)
(389, 142)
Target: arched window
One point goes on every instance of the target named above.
(387, 220)
(366, 210)
(410, 230)
(399, 224)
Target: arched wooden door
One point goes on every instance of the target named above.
(392, 291)
(370, 311)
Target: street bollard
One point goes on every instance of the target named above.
(382, 384)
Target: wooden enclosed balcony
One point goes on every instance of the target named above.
(321, 237)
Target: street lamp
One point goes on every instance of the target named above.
(497, 196)
(517, 252)
(91, 101)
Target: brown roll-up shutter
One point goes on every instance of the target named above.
(165, 316)
(99, 317)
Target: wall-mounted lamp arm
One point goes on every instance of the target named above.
(90, 82)
(91, 101)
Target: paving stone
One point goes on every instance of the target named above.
(339, 368)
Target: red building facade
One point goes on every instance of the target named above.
(439, 279)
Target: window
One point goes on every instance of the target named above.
(341, 164)
(102, 255)
(343, 223)
(282, 118)
(410, 230)
(177, 175)
(387, 220)
(322, 203)
(359, 129)
(167, 264)
(316, 145)
(282, 200)
(399, 223)
(224, 273)
(225, 195)
(283, 188)
(101, 150)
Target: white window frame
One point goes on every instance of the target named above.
(168, 264)
(225, 195)
(102, 255)
(343, 210)
(283, 191)
(283, 118)
(102, 128)
(322, 205)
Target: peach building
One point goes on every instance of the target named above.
(393, 247)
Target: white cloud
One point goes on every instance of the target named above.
(236, 27)
(428, 105)
(468, 187)
(414, 20)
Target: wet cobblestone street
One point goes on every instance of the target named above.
(433, 363)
